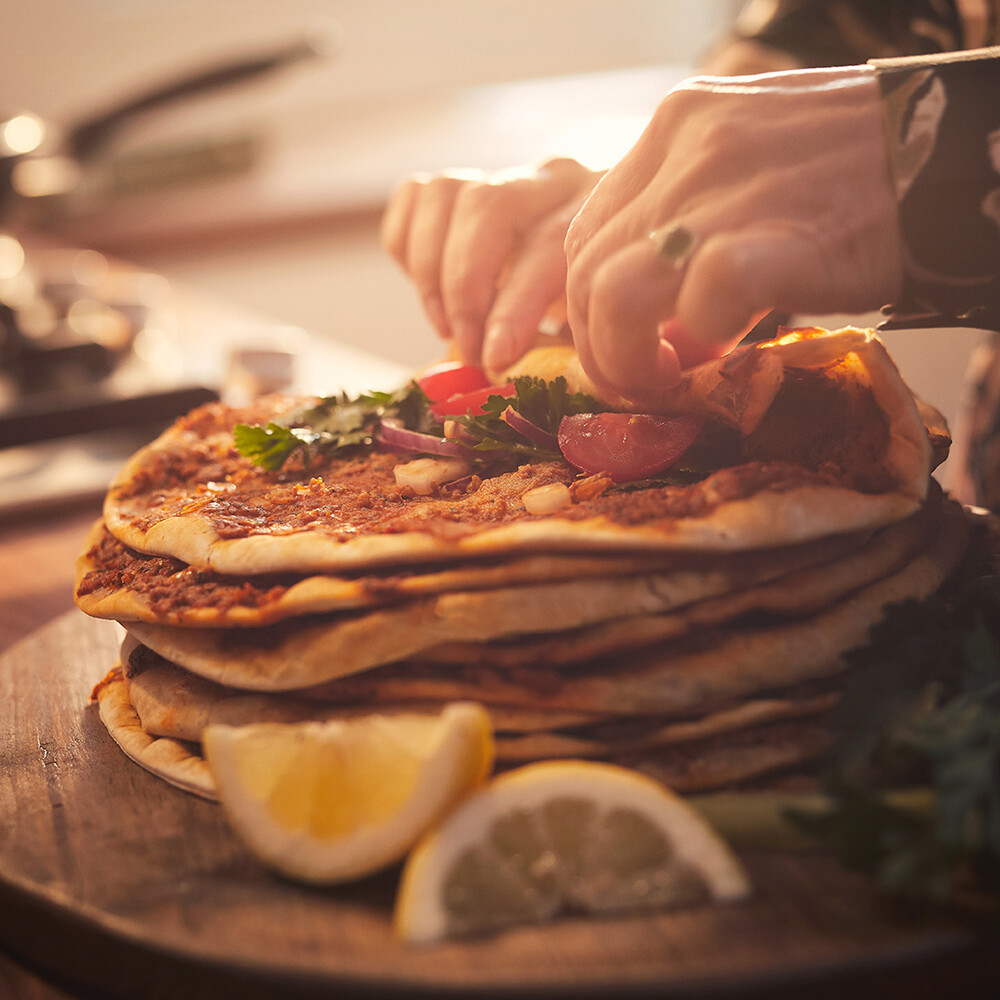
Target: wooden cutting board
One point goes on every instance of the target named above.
(112, 881)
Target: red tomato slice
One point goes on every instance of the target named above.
(469, 402)
(450, 378)
(626, 446)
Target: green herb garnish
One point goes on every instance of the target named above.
(333, 424)
(543, 403)
(336, 423)
(922, 710)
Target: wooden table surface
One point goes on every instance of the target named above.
(39, 545)
(37, 552)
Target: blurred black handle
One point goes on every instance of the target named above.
(86, 138)
(55, 415)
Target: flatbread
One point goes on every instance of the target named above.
(174, 761)
(794, 594)
(113, 581)
(633, 610)
(173, 702)
(833, 442)
(718, 760)
(715, 666)
(735, 759)
(542, 744)
(697, 631)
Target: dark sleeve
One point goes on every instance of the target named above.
(849, 32)
(942, 120)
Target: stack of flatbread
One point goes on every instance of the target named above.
(695, 630)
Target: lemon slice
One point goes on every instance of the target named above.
(326, 802)
(562, 837)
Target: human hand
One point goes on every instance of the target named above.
(486, 251)
(782, 183)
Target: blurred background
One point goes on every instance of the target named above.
(264, 194)
(268, 193)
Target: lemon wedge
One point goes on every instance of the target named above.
(327, 802)
(561, 837)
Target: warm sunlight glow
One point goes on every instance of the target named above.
(11, 257)
(22, 134)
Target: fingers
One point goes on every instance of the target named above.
(757, 269)
(521, 304)
(536, 279)
(484, 229)
(637, 303)
(646, 319)
(617, 333)
(396, 220)
(485, 253)
(630, 178)
(415, 229)
(503, 262)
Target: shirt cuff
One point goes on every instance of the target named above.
(942, 125)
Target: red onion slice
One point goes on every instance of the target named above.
(394, 435)
(529, 430)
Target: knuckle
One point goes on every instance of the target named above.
(720, 260)
(611, 283)
(575, 239)
(552, 230)
(577, 283)
(426, 282)
(484, 201)
(393, 228)
(718, 139)
(460, 289)
(424, 266)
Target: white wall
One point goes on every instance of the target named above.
(62, 57)
(350, 127)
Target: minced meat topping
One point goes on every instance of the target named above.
(196, 470)
(166, 583)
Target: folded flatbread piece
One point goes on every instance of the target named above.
(830, 441)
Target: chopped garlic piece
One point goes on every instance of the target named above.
(546, 499)
(424, 475)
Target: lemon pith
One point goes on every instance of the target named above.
(561, 837)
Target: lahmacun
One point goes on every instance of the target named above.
(694, 624)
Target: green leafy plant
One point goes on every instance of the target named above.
(922, 710)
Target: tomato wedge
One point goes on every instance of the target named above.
(626, 446)
(450, 378)
(469, 402)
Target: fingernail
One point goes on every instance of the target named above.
(499, 350)
(467, 339)
(500, 346)
(434, 308)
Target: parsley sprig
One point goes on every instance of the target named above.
(333, 424)
(922, 710)
(337, 423)
(543, 403)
